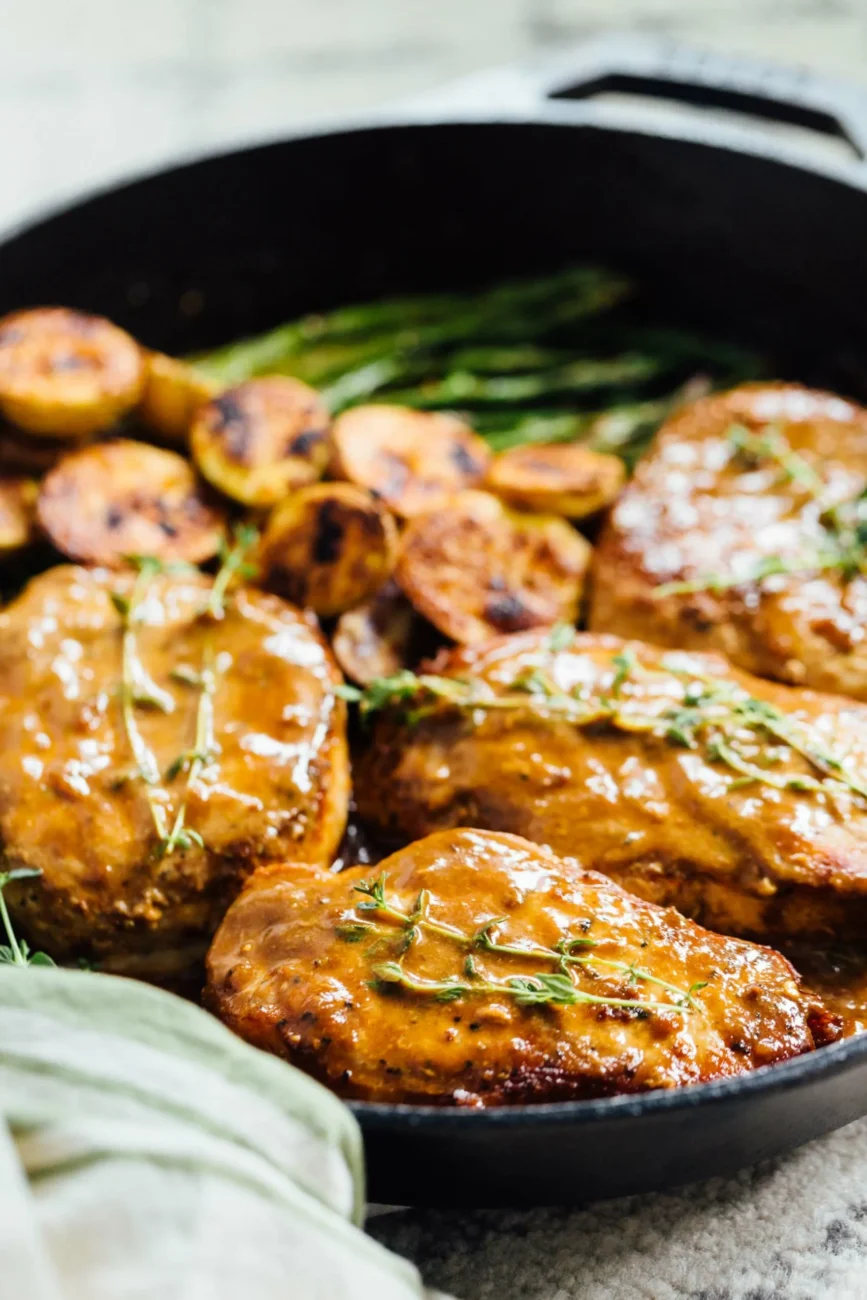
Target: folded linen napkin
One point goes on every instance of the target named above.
(146, 1152)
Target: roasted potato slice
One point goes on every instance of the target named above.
(17, 512)
(374, 639)
(328, 547)
(173, 392)
(476, 569)
(557, 478)
(66, 374)
(261, 440)
(414, 460)
(121, 498)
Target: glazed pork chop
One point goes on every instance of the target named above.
(744, 531)
(151, 755)
(739, 801)
(478, 969)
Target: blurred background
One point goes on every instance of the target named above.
(93, 89)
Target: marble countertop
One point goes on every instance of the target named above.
(95, 89)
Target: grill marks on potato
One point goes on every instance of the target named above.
(560, 478)
(66, 374)
(262, 439)
(476, 569)
(329, 533)
(328, 547)
(413, 460)
(235, 427)
(116, 499)
(508, 613)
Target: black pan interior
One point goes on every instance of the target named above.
(771, 255)
(767, 253)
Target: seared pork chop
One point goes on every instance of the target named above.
(743, 531)
(146, 773)
(741, 802)
(478, 969)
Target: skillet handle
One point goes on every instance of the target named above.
(663, 68)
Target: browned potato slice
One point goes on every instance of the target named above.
(328, 547)
(261, 440)
(476, 569)
(123, 498)
(66, 374)
(414, 460)
(173, 392)
(560, 479)
(17, 512)
(373, 640)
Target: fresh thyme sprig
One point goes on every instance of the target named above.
(713, 715)
(769, 566)
(754, 449)
(560, 637)
(406, 686)
(139, 690)
(16, 952)
(233, 563)
(544, 988)
(194, 761)
(842, 547)
(759, 716)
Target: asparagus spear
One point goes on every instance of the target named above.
(369, 378)
(498, 351)
(506, 360)
(539, 427)
(619, 430)
(511, 311)
(677, 346)
(461, 388)
(368, 381)
(627, 431)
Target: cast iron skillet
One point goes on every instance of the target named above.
(523, 172)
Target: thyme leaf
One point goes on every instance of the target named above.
(233, 564)
(185, 674)
(16, 952)
(755, 449)
(561, 637)
(625, 663)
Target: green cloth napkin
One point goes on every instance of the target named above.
(145, 1152)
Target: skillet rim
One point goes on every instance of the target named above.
(783, 1076)
(829, 1061)
(711, 134)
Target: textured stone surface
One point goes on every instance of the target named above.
(790, 1230)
